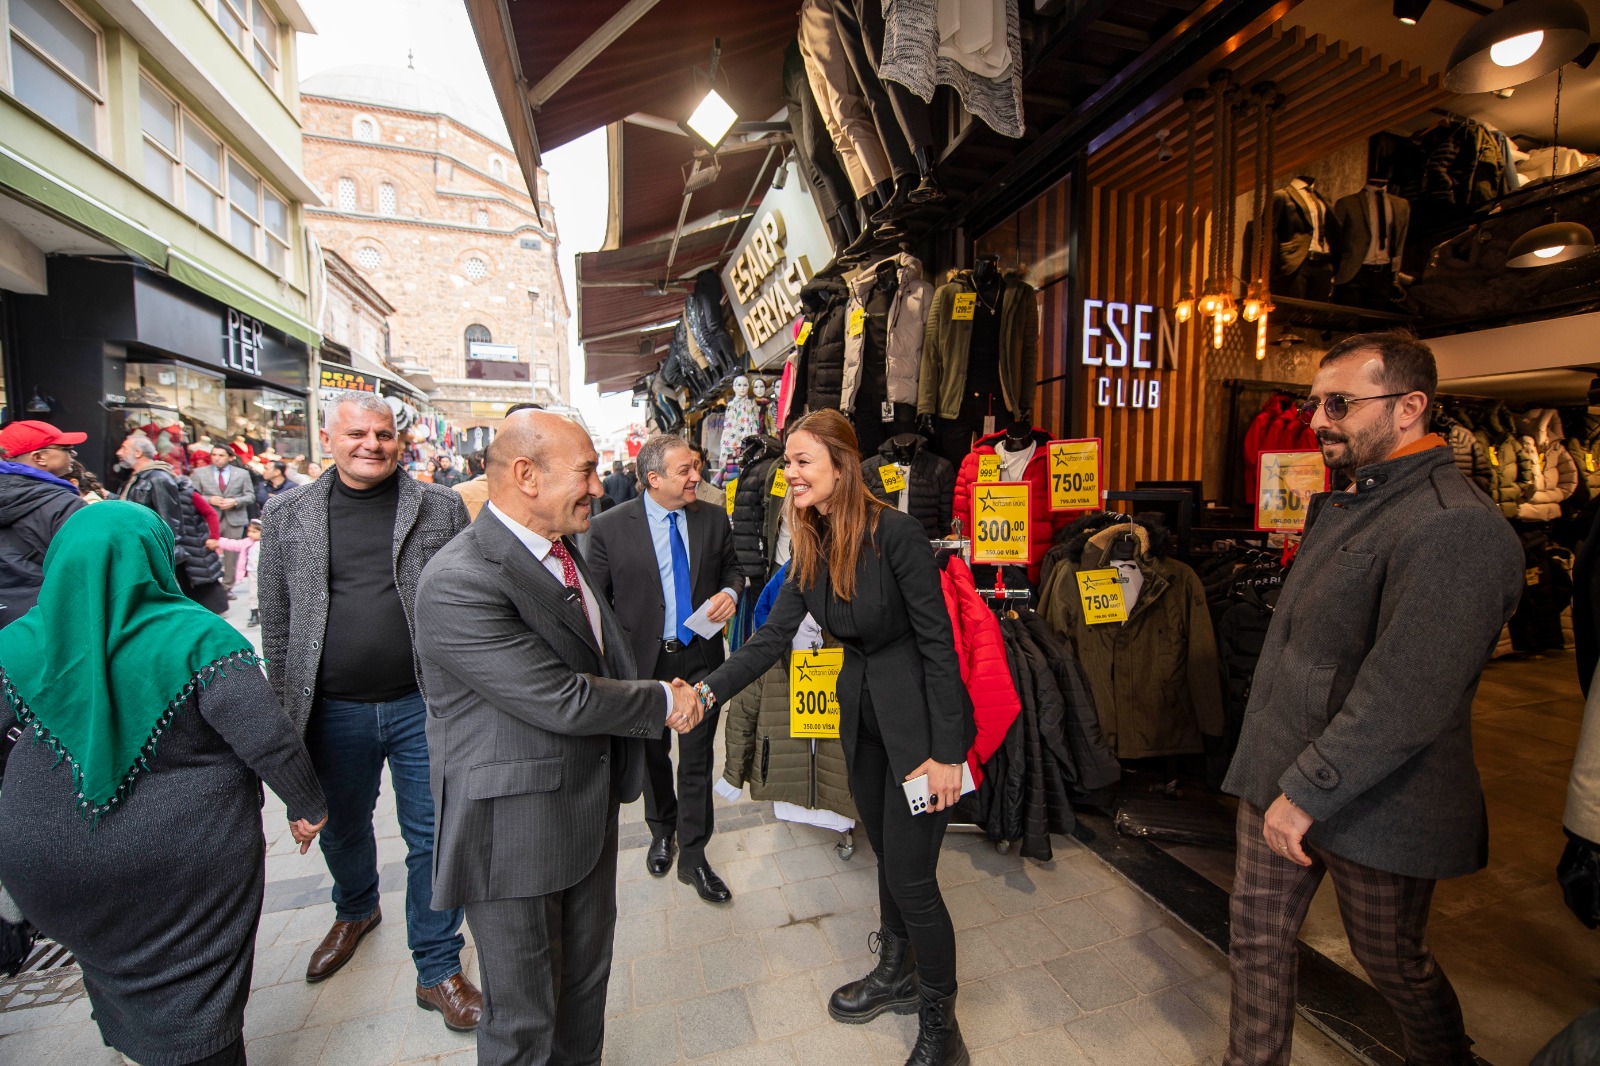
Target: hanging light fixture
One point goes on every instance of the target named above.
(1186, 300)
(1516, 44)
(1555, 241)
(1212, 292)
(1410, 11)
(713, 117)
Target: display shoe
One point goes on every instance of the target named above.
(891, 986)
(456, 999)
(897, 206)
(339, 946)
(859, 248)
(939, 1040)
(927, 190)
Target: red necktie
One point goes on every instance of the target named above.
(569, 577)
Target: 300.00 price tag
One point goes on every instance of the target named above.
(1000, 520)
(814, 693)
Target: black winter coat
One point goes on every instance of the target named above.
(932, 483)
(32, 508)
(819, 372)
(703, 312)
(756, 511)
(172, 497)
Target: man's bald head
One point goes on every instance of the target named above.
(541, 469)
(523, 434)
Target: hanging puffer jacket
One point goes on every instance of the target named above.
(664, 404)
(984, 669)
(680, 369)
(755, 510)
(759, 750)
(1042, 522)
(908, 314)
(1583, 444)
(931, 482)
(703, 313)
(1471, 459)
(1496, 433)
(1275, 428)
(819, 374)
(1545, 470)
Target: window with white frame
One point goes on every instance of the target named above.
(476, 269)
(366, 129)
(386, 199)
(254, 30)
(368, 257)
(202, 175)
(55, 66)
(497, 168)
(347, 194)
(163, 159)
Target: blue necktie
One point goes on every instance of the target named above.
(680, 580)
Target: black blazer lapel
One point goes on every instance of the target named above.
(530, 576)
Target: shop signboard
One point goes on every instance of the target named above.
(1288, 481)
(780, 251)
(1000, 522)
(1074, 474)
(814, 693)
(494, 353)
(1127, 344)
(171, 318)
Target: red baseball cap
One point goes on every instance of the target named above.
(20, 438)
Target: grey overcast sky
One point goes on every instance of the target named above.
(438, 37)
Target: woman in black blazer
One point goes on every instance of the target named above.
(866, 572)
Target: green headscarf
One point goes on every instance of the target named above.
(112, 650)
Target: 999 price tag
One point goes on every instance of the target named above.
(1000, 520)
(780, 484)
(1288, 481)
(1101, 593)
(814, 693)
(893, 480)
(729, 491)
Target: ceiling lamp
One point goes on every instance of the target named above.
(1518, 43)
(713, 117)
(1410, 11)
(1555, 241)
(1184, 309)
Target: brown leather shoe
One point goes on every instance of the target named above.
(456, 999)
(338, 946)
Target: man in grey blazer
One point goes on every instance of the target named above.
(535, 734)
(1355, 759)
(228, 487)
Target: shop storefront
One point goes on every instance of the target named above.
(116, 348)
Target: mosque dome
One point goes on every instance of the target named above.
(405, 89)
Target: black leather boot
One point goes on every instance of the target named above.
(891, 986)
(927, 190)
(939, 1040)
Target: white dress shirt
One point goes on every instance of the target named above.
(1378, 256)
(1313, 205)
(659, 520)
(540, 549)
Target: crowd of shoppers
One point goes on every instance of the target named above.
(516, 640)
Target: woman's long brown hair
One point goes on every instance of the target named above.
(834, 541)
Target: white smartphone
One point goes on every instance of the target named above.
(917, 789)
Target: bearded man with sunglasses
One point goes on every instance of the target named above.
(1355, 760)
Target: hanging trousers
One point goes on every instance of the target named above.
(844, 110)
(909, 109)
(884, 119)
(1384, 916)
(907, 847)
(812, 143)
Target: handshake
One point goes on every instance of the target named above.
(687, 709)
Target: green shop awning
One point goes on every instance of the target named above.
(79, 208)
(220, 288)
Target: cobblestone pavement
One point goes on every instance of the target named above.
(1060, 963)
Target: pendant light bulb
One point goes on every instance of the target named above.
(1217, 327)
(1514, 50)
(1183, 310)
(1227, 312)
(1209, 303)
(1555, 242)
(1252, 309)
(1261, 337)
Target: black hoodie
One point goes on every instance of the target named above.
(32, 508)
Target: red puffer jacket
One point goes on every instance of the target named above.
(1275, 428)
(984, 669)
(1043, 523)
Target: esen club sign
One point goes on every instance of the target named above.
(1125, 339)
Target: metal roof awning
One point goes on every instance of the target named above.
(627, 304)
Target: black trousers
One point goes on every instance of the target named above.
(901, 162)
(686, 812)
(1313, 281)
(909, 109)
(818, 160)
(907, 847)
(1372, 288)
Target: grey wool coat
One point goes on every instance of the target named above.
(1361, 711)
(292, 577)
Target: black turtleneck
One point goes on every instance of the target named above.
(366, 651)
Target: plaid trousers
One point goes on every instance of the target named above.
(1384, 917)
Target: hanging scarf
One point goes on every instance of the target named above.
(112, 650)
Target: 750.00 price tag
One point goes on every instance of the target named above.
(1288, 481)
(1000, 520)
(1101, 594)
(814, 693)
(1074, 474)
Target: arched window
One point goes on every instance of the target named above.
(483, 217)
(386, 200)
(347, 194)
(476, 334)
(366, 129)
(497, 169)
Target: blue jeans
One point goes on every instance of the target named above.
(348, 742)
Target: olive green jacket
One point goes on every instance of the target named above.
(759, 751)
(945, 343)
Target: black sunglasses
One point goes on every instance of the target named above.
(1336, 406)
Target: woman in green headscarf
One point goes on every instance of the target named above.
(132, 803)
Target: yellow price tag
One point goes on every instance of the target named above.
(804, 334)
(728, 491)
(780, 484)
(1494, 456)
(814, 693)
(962, 310)
(1288, 481)
(1101, 593)
(1588, 461)
(988, 468)
(893, 480)
(1074, 474)
(858, 320)
(1000, 522)
(1532, 576)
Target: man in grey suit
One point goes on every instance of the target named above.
(229, 488)
(1355, 760)
(536, 732)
